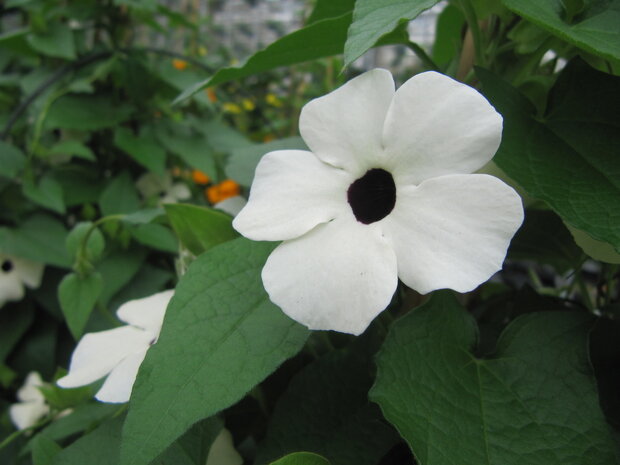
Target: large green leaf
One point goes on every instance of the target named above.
(568, 158)
(372, 19)
(221, 336)
(594, 29)
(44, 450)
(325, 410)
(40, 238)
(77, 296)
(535, 401)
(86, 112)
(329, 9)
(199, 228)
(143, 148)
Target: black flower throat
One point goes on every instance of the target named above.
(373, 196)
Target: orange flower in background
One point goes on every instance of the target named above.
(268, 137)
(179, 64)
(200, 178)
(222, 191)
(211, 94)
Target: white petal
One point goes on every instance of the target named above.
(223, 451)
(292, 192)
(146, 313)
(176, 192)
(29, 272)
(26, 414)
(118, 384)
(438, 126)
(344, 128)
(339, 276)
(231, 205)
(452, 231)
(97, 354)
(11, 287)
(29, 392)
(150, 184)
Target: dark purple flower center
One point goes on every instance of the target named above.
(373, 196)
(7, 265)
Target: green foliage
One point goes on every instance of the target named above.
(78, 295)
(537, 386)
(301, 458)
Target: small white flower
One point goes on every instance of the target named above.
(231, 205)
(31, 406)
(152, 185)
(14, 274)
(385, 193)
(117, 353)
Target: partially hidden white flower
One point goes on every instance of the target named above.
(117, 353)
(232, 205)
(223, 451)
(385, 193)
(32, 405)
(153, 185)
(15, 273)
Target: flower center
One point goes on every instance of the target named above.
(7, 265)
(373, 196)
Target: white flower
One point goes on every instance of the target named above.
(117, 353)
(14, 274)
(31, 406)
(223, 451)
(153, 185)
(232, 205)
(386, 193)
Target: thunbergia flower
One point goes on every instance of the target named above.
(153, 185)
(32, 405)
(117, 353)
(15, 273)
(386, 192)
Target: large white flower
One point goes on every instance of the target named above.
(385, 193)
(15, 273)
(31, 406)
(117, 353)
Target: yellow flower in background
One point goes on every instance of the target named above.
(202, 51)
(233, 108)
(200, 178)
(179, 64)
(273, 100)
(248, 105)
(222, 191)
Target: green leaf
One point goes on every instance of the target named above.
(329, 9)
(77, 296)
(191, 147)
(56, 41)
(325, 410)
(535, 401)
(156, 236)
(223, 138)
(47, 193)
(199, 228)
(94, 246)
(143, 148)
(44, 450)
(40, 238)
(243, 337)
(13, 325)
(12, 160)
(120, 196)
(143, 216)
(569, 157)
(320, 39)
(86, 112)
(302, 458)
(118, 269)
(242, 162)
(73, 148)
(598, 250)
(374, 18)
(594, 30)
(448, 35)
(544, 238)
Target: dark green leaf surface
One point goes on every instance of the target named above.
(535, 402)
(44, 450)
(375, 18)
(595, 29)
(569, 158)
(243, 337)
(118, 269)
(12, 160)
(199, 228)
(94, 246)
(120, 196)
(143, 148)
(86, 112)
(302, 458)
(57, 41)
(13, 325)
(329, 9)
(77, 296)
(156, 236)
(40, 238)
(47, 192)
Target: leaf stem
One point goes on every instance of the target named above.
(474, 27)
(426, 60)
